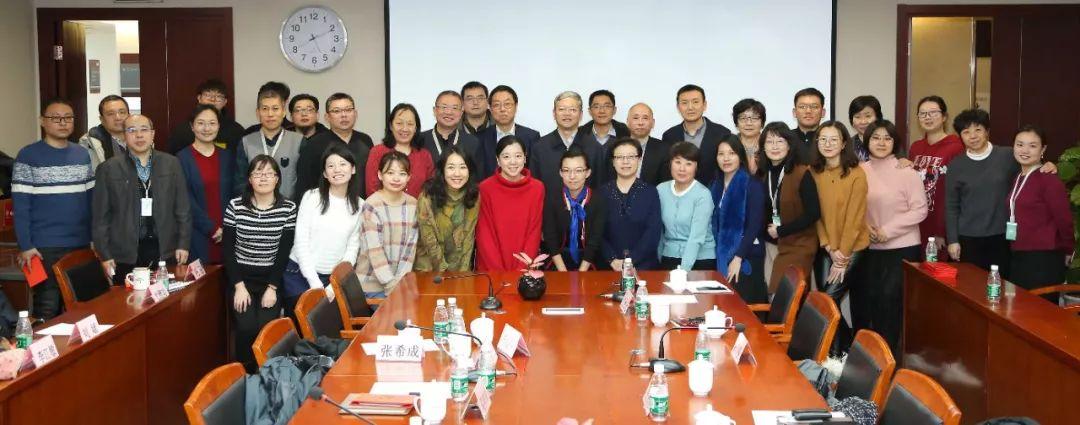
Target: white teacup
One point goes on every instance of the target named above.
(717, 318)
(138, 279)
(431, 406)
(660, 313)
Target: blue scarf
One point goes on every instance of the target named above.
(577, 221)
(729, 219)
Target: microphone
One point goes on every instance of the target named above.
(488, 303)
(674, 365)
(316, 393)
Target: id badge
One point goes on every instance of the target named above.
(147, 207)
(776, 219)
(1010, 230)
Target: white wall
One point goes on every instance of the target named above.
(101, 44)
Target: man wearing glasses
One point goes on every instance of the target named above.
(808, 111)
(52, 188)
(503, 102)
(141, 212)
(341, 114)
(107, 139)
(546, 155)
(477, 115)
(210, 92)
(696, 129)
(655, 163)
(304, 109)
(447, 131)
(603, 127)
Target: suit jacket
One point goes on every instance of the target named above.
(655, 166)
(621, 130)
(707, 169)
(486, 161)
(546, 157)
(466, 142)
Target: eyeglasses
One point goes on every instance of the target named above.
(749, 118)
(305, 111)
(568, 110)
(499, 106)
(626, 158)
(573, 172)
(264, 175)
(829, 141)
(602, 107)
(60, 120)
(136, 130)
(217, 97)
(928, 114)
(808, 107)
(448, 108)
(337, 111)
(475, 99)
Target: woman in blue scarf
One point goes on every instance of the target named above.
(737, 220)
(574, 217)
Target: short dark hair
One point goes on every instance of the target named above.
(747, 104)
(933, 98)
(782, 130)
(506, 141)
(213, 84)
(392, 157)
(388, 139)
(809, 91)
(848, 159)
(625, 140)
(260, 160)
(574, 152)
(203, 108)
(897, 146)
(449, 93)
(863, 102)
(274, 89)
(501, 88)
(1030, 128)
(55, 101)
(338, 96)
(740, 151)
(303, 96)
(435, 188)
(686, 150)
(688, 88)
(473, 85)
(602, 92)
(110, 98)
(971, 117)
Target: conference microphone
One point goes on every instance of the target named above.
(674, 365)
(316, 393)
(488, 303)
(401, 325)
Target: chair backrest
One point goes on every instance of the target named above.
(789, 293)
(814, 329)
(317, 316)
(868, 370)
(81, 277)
(348, 294)
(218, 399)
(277, 338)
(915, 398)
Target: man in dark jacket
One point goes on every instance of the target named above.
(603, 127)
(698, 130)
(341, 114)
(141, 212)
(210, 92)
(503, 102)
(447, 131)
(546, 156)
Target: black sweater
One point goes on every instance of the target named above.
(556, 227)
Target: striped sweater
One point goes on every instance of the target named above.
(257, 242)
(388, 235)
(52, 194)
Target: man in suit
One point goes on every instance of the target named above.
(808, 110)
(477, 116)
(655, 161)
(696, 129)
(210, 92)
(341, 114)
(546, 155)
(603, 127)
(271, 139)
(446, 132)
(503, 102)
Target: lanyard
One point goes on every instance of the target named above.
(277, 144)
(774, 195)
(1017, 187)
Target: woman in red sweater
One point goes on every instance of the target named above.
(511, 211)
(402, 135)
(931, 156)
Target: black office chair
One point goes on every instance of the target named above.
(868, 369)
(814, 329)
(81, 277)
(318, 316)
(277, 338)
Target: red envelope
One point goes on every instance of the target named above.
(34, 272)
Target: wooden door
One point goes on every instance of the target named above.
(199, 47)
(72, 73)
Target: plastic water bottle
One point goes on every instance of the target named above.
(629, 275)
(641, 303)
(993, 284)
(931, 250)
(451, 307)
(459, 379)
(24, 335)
(487, 365)
(701, 345)
(442, 321)
(459, 345)
(162, 275)
(658, 395)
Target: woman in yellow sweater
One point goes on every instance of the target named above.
(842, 230)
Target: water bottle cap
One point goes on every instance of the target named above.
(453, 300)
(483, 315)
(24, 314)
(993, 267)
(658, 368)
(715, 307)
(931, 239)
(161, 264)
(440, 302)
(459, 312)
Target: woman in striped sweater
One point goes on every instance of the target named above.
(258, 232)
(388, 230)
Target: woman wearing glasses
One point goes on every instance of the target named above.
(574, 216)
(749, 117)
(932, 155)
(633, 224)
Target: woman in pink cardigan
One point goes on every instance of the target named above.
(895, 205)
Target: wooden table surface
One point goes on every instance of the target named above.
(1017, 357)
(580, 364)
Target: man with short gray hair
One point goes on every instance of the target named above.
(544, 160)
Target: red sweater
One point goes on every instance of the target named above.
(1043, 219)
(510, 220)
(931, 162)
(421, 168)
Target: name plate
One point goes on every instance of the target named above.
(85, 329)
(40, 353)
(483, 397)
(627, 302)
(397, 348)
(742, 346)
(511, 342)
(196, 270)
(158, 292)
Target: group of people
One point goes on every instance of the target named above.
(283, 202)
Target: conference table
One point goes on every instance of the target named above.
(579, 366)
(1017, 357)
(138, 372)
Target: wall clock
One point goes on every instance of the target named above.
(313, 38)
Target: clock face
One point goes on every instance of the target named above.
(313, 38)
